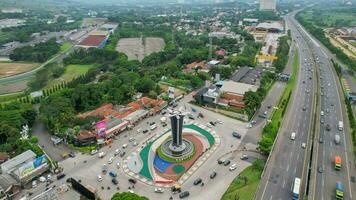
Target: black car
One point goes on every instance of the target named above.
(191, 117)
(133, 181)
(114, 181)
(236, 135)
(122, 154)
(220, 161)
(72, 155)
(145, 131)
(212, 123)
(227, 162)
(197, 181)
(184, 194)
(60, 176)
(212, 175)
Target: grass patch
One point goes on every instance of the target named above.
(270, 130)
(244, 186)
(65, 46)
(86, 149)
(71, 72)
(12, 96)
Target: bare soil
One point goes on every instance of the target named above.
(10, 68)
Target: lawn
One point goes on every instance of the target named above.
(244, 186)
(65, 46)
(71, 72)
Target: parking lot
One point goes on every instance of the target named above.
(86, 168)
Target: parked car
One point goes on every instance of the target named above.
(124, 146)
(93, 152)
(233, 167)
(117, 152)
(184, 194)
(227, 162)
(197, 181)
(60, 176)
(133, 181)
(212, 123)
(114, 181)
(112, 174)
(111, 159)
(72, 155)
(99, 178)
(34, 184)
(244, 157)
(220, 161)
(236, 135)
(303, 145)
(122, 154)
(213, 175)
(159, 190)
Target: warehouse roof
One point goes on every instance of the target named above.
(93, 40)
(237, 88)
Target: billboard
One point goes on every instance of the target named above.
(101, 128)
(28, 167)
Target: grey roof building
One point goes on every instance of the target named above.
(14, 163)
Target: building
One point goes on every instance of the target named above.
(233, 93)
(25, 167)
(196, 66)
(9, 187)
(11, 10)
(268, 5)
(207, 95)
(213, 63)
(93, 41)
(247, 75)
(85, 138)
(110, 27)
(274, 27)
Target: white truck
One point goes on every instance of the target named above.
(337, 139)
(102, 154)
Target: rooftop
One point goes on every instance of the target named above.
(92, 40)
(17, 160)
(237, 88)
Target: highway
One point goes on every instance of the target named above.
(288, 157)
(324, 176)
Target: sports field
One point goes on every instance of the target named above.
(71, 72)
(13, 68)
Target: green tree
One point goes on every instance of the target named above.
(127, 196)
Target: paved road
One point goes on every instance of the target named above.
(332, 104)
(288, 157)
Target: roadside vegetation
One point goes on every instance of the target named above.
(244, 186)
(315, 27)
(270, 131)
(127, 196)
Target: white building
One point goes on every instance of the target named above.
(268, 5)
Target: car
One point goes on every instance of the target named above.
(209, 125)
(249, 125)
(184, 194)
(236, 135)
(72, 155)
(303, 145)
(233, 167)
(134, 144)
(145, 131)
(42, 179)
(122, 154)
(131, 139)
(153, 125)
(99, 178)
(322, 113)
(102, 154)
(49, 177)
(212, 123)
(328, 127)
(118, 165)
(321, 140)
(124, 146)
(303, 81)
(227, 162)
(213, 175)
(159, 190)
(113, 174)
(219, 121)
(292, 136)
(111, 159)
(320, 169)
(253, 122)
(34, 184)
(60, 176)
(327, 110)
(220, 161)
(117, 152)
(244, 157)
(114, 181)
(163, 112)
(104, 168)
(133, 181)
(197, 181)
(93, 152)
(322, 120)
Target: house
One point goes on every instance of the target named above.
(9, 187)
(213, 63)
(85, 138)
(196, 66)
(207, 95)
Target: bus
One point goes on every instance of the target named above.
(340, 126)
(337, 162)
(296, 189)
(339, 190)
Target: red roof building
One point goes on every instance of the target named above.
(97, 41)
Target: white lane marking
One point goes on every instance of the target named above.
(288, 167)
(295, 170)
(271, 197)
(284, 183)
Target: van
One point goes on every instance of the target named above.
(337, 139)
(292, 136)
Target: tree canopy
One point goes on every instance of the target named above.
(127, 196)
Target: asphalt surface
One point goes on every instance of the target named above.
(288, 157)
(332, 104)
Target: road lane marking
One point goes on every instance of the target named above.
(295, 170)
(288, 167)
(271, 197)
(284, 183)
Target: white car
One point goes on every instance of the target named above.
(111, 159)
(118, 165)
(124, 146)
(117, 152)
(101, 154)
(134, 144)
(322, 113)
(209, 125)
(304, 145)
(131, 139)
(159, 190)
(93, 152)
(248, 125)
(219, 121)
(34, 184)
(233, 167)
(42, 179)
(99, 178)
(131, 191)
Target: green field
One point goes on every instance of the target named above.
(335, 17)
(71, 72)
(65, 46)
(244, 186)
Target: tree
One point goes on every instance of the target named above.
(127, 196)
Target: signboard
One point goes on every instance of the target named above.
(101, 128)
(27, 168)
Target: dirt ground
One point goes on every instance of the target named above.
(10, 69)
(138, 48)
(13, 87)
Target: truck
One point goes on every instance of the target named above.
(337, 139)
(102, 154)
(340, 126)
(339, 190)
(337, 162)
(296, 189)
